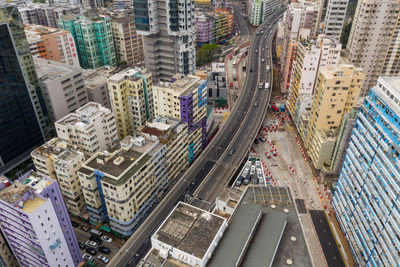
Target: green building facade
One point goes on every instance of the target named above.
(93, 38)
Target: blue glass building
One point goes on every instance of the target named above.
(366, 199)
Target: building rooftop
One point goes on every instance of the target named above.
(189, 229)
(95, 78)
(182, 84)
(49, 70)
(40, 29)
(13, 192)
(24, 192)
(126, 19)
(122, 164)
(53, 147)
(271, 245)
(32, 204)
(84, 115)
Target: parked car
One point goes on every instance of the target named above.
(96, 239)
(248, 165)
(106, 238)
(81, 245)
(104, 250)
(96, 232)
(83, 228)
(87, 257)
(103, 258)
(239, 181)
(252, 170)
(256, 141)
(91, 251)
(91, 243)
(246, 180)
(74, 224)
(255, 180)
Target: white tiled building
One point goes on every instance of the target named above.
(91, 128)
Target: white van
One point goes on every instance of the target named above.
(96, 232)
(268, 68)
(266, 87)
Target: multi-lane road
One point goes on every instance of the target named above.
(214, 167)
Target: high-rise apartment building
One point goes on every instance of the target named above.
(310, 57)
(124, 186)
(96, 85)
(370, 37)
(7, 258)
(52, 43)
(43, 14)
(336, 92)
(168, 37)
(59, 160)
(20, 125)
(91, 128)
(62, 87)
(334, 18)
(35, 222)
(259, 11)
(93, 38)
(391, 65)
(131, 98)
(128, 44)
(93, 4)
(213, 25)
(185, 99)
(300, 22)
(366, 196)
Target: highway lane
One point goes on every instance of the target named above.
(139, 241)
(245, 134)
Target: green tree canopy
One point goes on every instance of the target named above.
(207, 53)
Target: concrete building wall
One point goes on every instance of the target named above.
(368, 41)
(169, 37)
(62, 87)
(334, 18)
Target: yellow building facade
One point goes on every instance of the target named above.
(336, 92)
(131, 96)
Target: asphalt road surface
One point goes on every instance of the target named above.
(325, 236)
(213, 169)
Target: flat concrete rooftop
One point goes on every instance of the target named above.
(189, 229)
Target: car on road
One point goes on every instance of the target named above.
(81, 245)
(263, 60)
(96, 239)
(256, 51)
(251, 70)
(261, 85)
(83, 228)
(267, 155)
(106, 238)
(230, 153)
(87, 257)
(104, 250)
(91, 251)
(256, 141)
(91, 243)
(103, 258)
(231, 84)
(74, 224)
(256, 104)
(263, 49)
